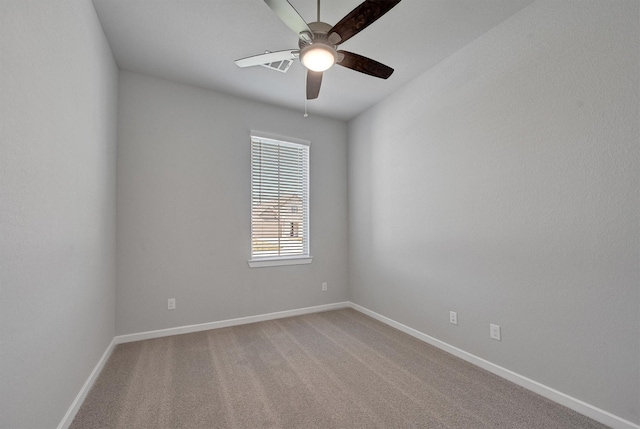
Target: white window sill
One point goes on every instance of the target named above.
(260, 263)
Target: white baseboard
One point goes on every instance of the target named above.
(86, 387)
(577, 405)
(230, 322)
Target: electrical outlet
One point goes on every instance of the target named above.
(324, 286)
(171, 304)
(494, 332)
(453, 317)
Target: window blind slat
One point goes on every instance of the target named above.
(279, 198)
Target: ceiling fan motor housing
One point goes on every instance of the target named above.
(320, 35)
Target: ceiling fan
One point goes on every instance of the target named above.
(318, 43)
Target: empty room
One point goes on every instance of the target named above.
(319, 214)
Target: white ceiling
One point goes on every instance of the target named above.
(196, 42)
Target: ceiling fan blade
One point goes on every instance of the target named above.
(290, 16)
(270, 57)
(364, 65)
(314, 80)
(359, 19)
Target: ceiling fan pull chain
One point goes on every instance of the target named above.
(305, 98)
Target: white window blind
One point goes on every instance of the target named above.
(279, 199)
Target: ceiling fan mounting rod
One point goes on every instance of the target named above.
(318, 10)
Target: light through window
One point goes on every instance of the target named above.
(279, 199)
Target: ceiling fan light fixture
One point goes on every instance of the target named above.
(318, 57)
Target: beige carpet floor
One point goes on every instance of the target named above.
(338, 369)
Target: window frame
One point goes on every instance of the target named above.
(270, 261)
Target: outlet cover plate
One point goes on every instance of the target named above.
(171, 304)
(494, 332)
(453, 317)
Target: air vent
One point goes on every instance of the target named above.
(281, 66)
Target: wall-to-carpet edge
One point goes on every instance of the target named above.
(581, 407)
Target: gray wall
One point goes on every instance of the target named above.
(58, 87)
(183, 201)
(503, 184)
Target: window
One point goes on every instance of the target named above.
(279, 201)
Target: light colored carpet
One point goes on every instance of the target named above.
(339, 369)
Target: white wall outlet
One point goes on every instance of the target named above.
(171, 304)
(324, 286)
(494, 332)
(453, 317)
